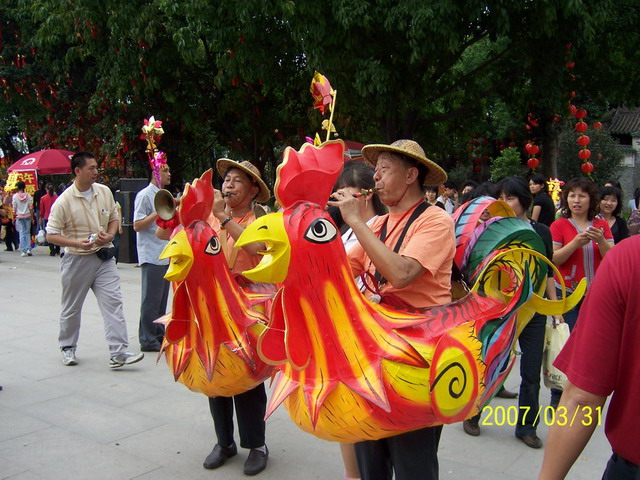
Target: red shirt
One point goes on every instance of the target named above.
(584, 261)
(46, 202)
(601, 355)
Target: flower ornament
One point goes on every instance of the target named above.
(157, 163)
(323, 96)
(322, 92)
(152, 126)
(152, 131)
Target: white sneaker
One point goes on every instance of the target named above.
(29, 253)
(23, 254)
(69, 356)
(124, 358)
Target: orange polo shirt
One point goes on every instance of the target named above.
(431, 241)
(238, 259)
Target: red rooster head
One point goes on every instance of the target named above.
(195, 208)
(305, 180)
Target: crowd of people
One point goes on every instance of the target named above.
(400, 235)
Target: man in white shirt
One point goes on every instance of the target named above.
(84, 221)
(155, 289)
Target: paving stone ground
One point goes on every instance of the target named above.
(91, 422)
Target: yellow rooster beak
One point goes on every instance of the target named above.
(274, 265)
(181, 254)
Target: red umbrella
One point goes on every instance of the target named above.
(46, 162)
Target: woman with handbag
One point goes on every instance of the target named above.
(580, 241)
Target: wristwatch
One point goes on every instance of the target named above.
(225, 221)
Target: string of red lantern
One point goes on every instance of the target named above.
(530, 147)
(532, 150)
(583, 141)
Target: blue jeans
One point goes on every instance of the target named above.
(24, 229)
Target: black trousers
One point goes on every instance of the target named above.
(250, 409)
(412, 456)
(620, 469)
(531, 342)
(10, 240)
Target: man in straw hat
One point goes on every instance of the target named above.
(414, 272)
(232, 211)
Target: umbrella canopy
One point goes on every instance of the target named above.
(46, 162)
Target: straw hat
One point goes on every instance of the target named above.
(224, 164)
(435, 175)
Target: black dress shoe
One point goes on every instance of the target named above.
(256, 462)
(219, 455)
(531, 441)
(504, 393)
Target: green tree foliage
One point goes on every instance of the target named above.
(232, 77)
(605, 156)
(507, 164)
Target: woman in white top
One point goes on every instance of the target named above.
(355, 177)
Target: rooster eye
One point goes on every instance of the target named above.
(213, 247)
(321, 231)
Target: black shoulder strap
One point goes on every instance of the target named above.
(419, 210)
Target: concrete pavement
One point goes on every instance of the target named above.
(90, 422)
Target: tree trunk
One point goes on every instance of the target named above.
(550, 146)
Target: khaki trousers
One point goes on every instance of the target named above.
(79, 274)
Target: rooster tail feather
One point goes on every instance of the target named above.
(283, 388)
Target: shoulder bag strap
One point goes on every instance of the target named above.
(419, 210)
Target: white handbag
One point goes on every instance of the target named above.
(41, 238)
(554, 340)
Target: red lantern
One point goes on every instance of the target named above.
(581, 113)
(570, 64)
(586, 167)
(584, 154)
(596, 125)
(573, 109)
(477, 169)
(583, 140)
(581, 127)
(533, 162)
(531, 148)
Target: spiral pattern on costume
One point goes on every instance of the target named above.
(454, 379)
